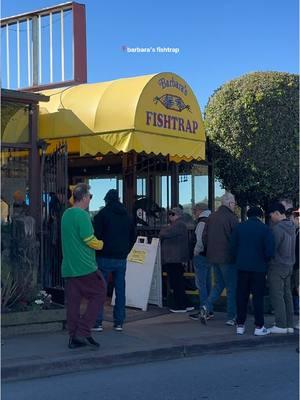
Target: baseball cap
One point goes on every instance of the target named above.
(276, 207)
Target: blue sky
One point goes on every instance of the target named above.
(218, 40)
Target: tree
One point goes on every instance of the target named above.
(252, 123)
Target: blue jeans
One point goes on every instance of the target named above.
(225, 277)
(202, 277)
(118, 269)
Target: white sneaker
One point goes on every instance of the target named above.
(261, 331)
(190, 308)
(118, 327)
(203, 315)
(276, 329)
(240, 329)
(230, 322)
(290, 330)
(297, 326)
(97, 328)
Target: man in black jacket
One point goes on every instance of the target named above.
(115, 225)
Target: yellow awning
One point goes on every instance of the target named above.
(148, 114)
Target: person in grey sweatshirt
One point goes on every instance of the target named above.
(281, 269)
(202, 267)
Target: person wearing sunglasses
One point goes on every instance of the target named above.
(79, 269)
(174, 253)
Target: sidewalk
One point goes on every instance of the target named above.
(161, 337)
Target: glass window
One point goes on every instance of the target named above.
(219, 191)
(165, 191)
(199, 183)
(141, 187)
(99, 188)
(201, 189)
(185, 192)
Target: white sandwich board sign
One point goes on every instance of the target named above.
(143, 274)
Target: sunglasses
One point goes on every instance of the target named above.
(91, 196)
(172, 214)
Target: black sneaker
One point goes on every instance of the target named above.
(203, 315)
(97, 328)
(75, 342)
(195, 317)
(92, 342)
(118, 327)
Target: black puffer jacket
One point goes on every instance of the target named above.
(115, 227)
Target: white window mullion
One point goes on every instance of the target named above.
(51, 48)
(40, 49)
(18, 54)
(28, 53)
(62, 45)
(7, 58)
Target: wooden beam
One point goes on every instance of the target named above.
(24, 97)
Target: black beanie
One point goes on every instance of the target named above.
(111, 195)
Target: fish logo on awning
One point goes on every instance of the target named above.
(172, 102)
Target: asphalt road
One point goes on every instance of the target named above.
(258, 374)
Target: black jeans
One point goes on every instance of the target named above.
(250, 282)
(176, 279)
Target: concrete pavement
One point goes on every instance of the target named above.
(161, 337)
(253, 374)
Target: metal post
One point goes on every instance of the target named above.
(174, 184)
(79, 43)
(168, 183)
(211, 177)
(129, 182)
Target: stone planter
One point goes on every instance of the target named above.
(19, 323)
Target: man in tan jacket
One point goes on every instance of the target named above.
(216, 238)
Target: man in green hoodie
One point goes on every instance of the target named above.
(79, 269)
(281, 269)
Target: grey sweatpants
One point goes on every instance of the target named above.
(279, 279)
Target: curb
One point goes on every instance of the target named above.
(93, 360)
